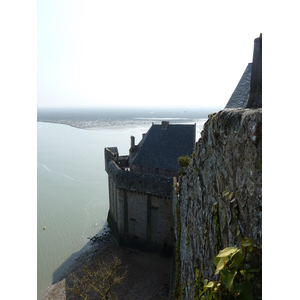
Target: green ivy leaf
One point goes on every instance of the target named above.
(220, 262)
(227, 251)
(209, 285)
(237, 258)
(249, 276)
(244, 290)
(246, 242)
(244, 273)
(223, 257)
(227, 279)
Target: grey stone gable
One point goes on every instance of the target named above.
(161, 147)
(113, 150)
(240, 96)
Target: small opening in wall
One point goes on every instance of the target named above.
(135, 237)
(154, 207)
(132, 219)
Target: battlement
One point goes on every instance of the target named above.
(143, 183)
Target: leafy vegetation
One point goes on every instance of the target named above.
(184, 161)
(96, 283)
(240, 274)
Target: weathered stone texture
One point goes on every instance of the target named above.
(162, 221)
(137, 215)
(223, 186)
(141, 209)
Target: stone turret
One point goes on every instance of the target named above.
(255, 100)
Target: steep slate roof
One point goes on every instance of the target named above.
(240, 96)
(160, 148)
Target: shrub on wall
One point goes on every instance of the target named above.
(240, 274)
(184, 161)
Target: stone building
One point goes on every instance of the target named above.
(141, 186)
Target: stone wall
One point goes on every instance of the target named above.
(145, 183)
(221, 194)
(153, 171)
(141, 209)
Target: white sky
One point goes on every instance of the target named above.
(158, 53)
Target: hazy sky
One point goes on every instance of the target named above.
(178, 53)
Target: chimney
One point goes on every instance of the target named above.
(164, 125)
(255, 99)
(132, 147)
(132, 141)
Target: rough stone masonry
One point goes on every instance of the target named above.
(221, 192)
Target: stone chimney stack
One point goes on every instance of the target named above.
(255, 99)
(132, 146)
(164, 125)
(132, 142)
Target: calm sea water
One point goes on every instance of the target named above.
(72, 187)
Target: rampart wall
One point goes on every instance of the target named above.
(140, 208)
(153, 171)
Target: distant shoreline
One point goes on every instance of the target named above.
(94, 126)
(113, 117)
(99, 125)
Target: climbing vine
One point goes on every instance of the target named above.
(198, 284)
(177, 292)
(183, 162)
(187, 241)
(236, 213)
(217, 228)
(231, 198)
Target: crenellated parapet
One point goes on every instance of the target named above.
(111, 154)
(144, 183)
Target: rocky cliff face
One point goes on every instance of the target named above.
(221, 193)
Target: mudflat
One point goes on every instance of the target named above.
(147, 276)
